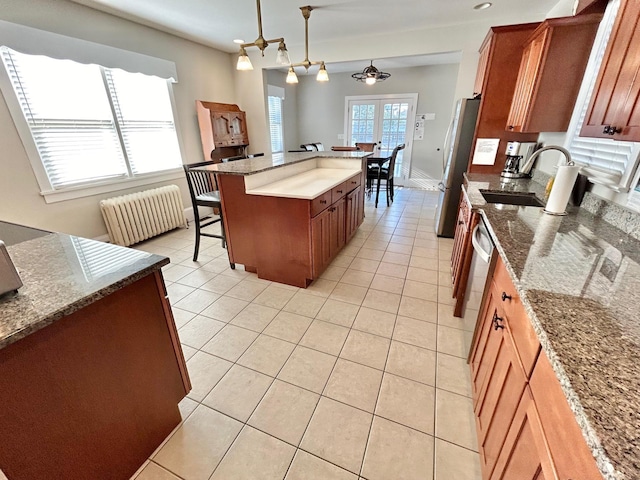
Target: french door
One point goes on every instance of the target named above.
(386, 120)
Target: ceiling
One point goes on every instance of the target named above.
(217, 23)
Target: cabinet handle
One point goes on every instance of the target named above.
(332, 209)
(338, 191)
(510, 127)
(496, 321)
(323, 202)
(353, 182)
(460, 222)
(610, 130)
(505, 296)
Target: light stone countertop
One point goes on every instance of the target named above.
(251, 166)
(62, 274)
(307, 185)
(578, 277)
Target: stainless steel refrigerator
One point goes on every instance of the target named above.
(456, 159)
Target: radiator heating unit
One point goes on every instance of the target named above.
(138, 216)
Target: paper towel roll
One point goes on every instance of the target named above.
(561, 190)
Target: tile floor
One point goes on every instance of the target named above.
(361, 375)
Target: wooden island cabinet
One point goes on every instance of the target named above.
(523, 421)
(287, 218)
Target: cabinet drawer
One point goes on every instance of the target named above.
(354, 182)
(338, 192)
(525, 338)
(321, 202)
(465, 210)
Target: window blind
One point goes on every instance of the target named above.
(605, 161)
(91, 124)
(77, 141)
(275, 124)
(97, 259)
(143, 111)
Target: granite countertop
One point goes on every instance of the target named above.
(252, 166)
(61, 274)
(577, 277)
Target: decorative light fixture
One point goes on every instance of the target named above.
(322, 76)
(282, 58)
(483, 6)
(371, 75)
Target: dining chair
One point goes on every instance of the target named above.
(382, 172)
(318, 146)
(254, 155)
(366, 146)
(203, 190)
(300, 150)
(308, 147)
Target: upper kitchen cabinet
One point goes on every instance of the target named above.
(223, 129)
(500, 55)
(553, 64)
(614, 110)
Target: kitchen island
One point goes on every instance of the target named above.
(576, 278)
(287, 216)
(91, 370)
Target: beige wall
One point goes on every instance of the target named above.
(204, 74)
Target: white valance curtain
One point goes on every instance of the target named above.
(39, 42)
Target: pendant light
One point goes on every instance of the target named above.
(371, 75)
(322, 76)
(282, 57)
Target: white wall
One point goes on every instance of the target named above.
(204, 74)
(321, 109)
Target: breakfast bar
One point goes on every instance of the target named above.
(287, 216)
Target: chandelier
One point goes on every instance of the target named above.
(322, 76)
(371, 75)
(282, 57)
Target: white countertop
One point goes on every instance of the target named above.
(307, 185)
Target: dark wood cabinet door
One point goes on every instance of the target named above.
(525, 455)
(238, 126)
(221, 129)
(502, 385)
(321, 242)
(614, 102)
(354, 212)
(483, 61)
(338, 222)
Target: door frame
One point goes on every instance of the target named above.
(412, 99)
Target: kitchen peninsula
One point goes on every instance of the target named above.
(91, 369)
(556, 350)
(287, 216)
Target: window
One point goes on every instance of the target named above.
(275, 124)
(93, 125)
(606, 162)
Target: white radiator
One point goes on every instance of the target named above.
(135, 217)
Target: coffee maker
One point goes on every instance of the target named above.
(517, 155)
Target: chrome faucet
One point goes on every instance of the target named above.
(526, 168)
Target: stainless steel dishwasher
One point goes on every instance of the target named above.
(482, 263)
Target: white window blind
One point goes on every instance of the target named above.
(275, 124)
(98, 259)
(605, 161)
(90, 124)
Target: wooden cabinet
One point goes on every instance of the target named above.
(334, 226)
(462, 251)
(614, 110)
(523, 420)
(223, 129)
(500, 56)
(553, 64)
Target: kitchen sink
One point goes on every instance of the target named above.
(526, 199)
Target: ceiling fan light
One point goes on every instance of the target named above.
(322, 76)
(291, 76)
(282, 57)
(244, 62)
(371, 80)
(371, 75)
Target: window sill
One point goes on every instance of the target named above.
(71, 193)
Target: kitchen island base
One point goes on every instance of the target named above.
(92, 395)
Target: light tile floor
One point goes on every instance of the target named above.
(361, 375)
